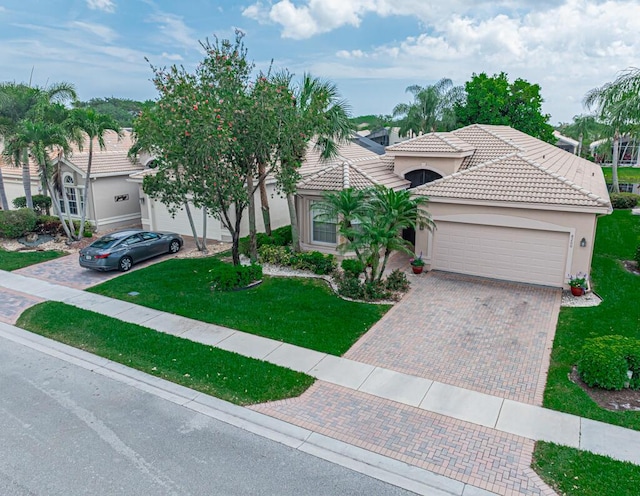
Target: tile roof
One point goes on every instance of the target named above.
(357, 175)
(432, 143)
(513, 178)
(112, 160)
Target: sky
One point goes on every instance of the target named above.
(372, 49)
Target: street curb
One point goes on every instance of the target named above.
(365, 462)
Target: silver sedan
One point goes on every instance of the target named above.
(121, 249)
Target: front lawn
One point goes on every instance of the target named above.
(13, 260)
(215, 372)
(300, 311)
(572, 472)
(625, 174)
(617, 237)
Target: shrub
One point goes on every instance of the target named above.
(350, 286)
(376, 290)
(41, 203)
(353, 267)
(624, 200)
(227, 277)
(48, 224)
(15, 223)
(638, 256)
(604, 362)
(279, 237)
(276, 255)
(397, 281)
(316, 262)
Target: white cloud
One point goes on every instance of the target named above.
(104, 32)
(174, 28)
(350, 54)
(104, 5)
(171, 56)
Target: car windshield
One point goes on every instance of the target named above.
(106, 242)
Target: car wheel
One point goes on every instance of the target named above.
(174, 246)
(125, 264)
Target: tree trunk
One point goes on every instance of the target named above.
(580, 145)
(264, 199)
(193, 226)
(86, 193)
(26, 178)
(253, 244)
(615, 187)
(204, 230)
(4, 204)
(295, 231)
(56, 209)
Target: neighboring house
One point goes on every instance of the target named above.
(506, 205)
(114, 201)
(156, 216)
(567, 144)
(628, 152)
(387, 136)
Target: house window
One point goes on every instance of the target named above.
(420, 177)
(71, 192)
(323, 230)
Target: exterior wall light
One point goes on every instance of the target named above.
(583, 243)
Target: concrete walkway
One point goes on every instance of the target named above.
(436, 400)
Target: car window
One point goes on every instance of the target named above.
(132, 240)
(148, 236)
(105, 242)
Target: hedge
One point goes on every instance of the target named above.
(225, 277)
(605, 362)
(16, 223)
(621, 201)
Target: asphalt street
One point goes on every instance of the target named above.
(67, 431)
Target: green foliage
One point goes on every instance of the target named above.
(279, 237)
(121, 110)
(275, 255)
(574, 472)
(48, 224)
(604, 362)
(624, 200)
(625, 174)
(353, 267)
(229, 376)
(494, 100)
(397, 281)
(316, 262)
(225, 277)
(637, 257)
(16, 223)
(41, 203)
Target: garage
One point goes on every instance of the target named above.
(508, 253)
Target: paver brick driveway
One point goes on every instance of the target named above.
(481, 334)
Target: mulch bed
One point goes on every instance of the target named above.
(616, 401)
(631, 266)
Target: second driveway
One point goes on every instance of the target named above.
(481, 334)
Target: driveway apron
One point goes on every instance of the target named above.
(489, 336)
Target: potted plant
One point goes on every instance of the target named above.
(578, 284)
(417, 264)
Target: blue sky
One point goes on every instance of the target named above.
(372, 49)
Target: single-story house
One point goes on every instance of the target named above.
(568, 144)
(506, 205)
(114, 201)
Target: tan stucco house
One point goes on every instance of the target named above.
(114, 201)
(506, 205)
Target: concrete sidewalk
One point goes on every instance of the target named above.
(501, 414)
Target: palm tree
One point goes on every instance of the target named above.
(94, 125)
(583, 127)
(42, 140)
(317, 113)
(431, 109)
(618, 105)
(20, 101)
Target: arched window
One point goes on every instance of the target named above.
(421, 176)
(71, 194)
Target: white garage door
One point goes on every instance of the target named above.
(525, 255)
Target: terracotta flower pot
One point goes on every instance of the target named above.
(417, 269)
(577, 291)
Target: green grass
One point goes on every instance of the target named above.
(573, 472)
(216, 372)
(13, 260)
(300, 311)
(625, 174)
(617, 237)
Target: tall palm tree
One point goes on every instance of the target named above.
(618, 105)
(42, 140)
(431, 109)
(94, 125)
(317, 113)
(20, 101)
(583, 127)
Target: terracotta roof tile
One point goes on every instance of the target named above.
(513, 178)
(113, 159)
(432, 143)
